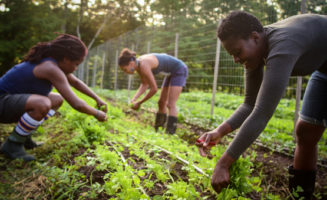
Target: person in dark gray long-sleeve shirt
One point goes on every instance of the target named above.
(295, 46)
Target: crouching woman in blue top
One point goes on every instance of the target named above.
(25, 91)
(149, 65)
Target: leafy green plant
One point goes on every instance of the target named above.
(92, 131)
(121, 185)
(181, 190)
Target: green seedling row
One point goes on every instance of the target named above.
(81, 159)
(194, 108)
(134, 135)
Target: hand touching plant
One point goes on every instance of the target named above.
(100, 116)
(220, 177)
(211, 138)
(135, 105)
(103, 108)
(102, 105)
(207, 140)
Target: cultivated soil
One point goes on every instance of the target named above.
(269, 165)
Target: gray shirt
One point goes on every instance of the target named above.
(296, 46)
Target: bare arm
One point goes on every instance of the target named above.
(50, 71)
(147, 77)
(82, 87)
(143, 87)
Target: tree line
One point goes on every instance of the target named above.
(23, 23)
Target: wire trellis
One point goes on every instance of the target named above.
(196, 46)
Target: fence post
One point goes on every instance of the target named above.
(79, 70)
(95, 66)
(148, 47)
(82, 69)
(130, 79)
(299, 82)
(116, 67)
(215, 77)
(102, 70)
(303, 7)
(176, 45)
(87, 72)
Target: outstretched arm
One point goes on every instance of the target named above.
(148, 78)
(276, 78)
(82, 87)
(252, 82)
(143, 87)
(253, 79)
(50, 71)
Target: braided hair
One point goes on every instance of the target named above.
(64, 46)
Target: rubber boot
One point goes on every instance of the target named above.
(171, 125)
(13, 147)
(30, 144)
(160, 120)
(303, 178)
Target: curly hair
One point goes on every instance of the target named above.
(126, 56)
(238, 24)
(64, 46)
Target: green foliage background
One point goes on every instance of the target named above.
(23, 23)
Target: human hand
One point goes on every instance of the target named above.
(220, 178)
(206, 141)
(102, 105)
(101, 116)
(136, 105)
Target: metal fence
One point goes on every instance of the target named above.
(210, 66)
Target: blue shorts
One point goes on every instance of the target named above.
(314, 106)
(177, 78)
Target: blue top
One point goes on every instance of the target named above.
(21, 80)
(167, 63)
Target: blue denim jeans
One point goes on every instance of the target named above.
(314, 106)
